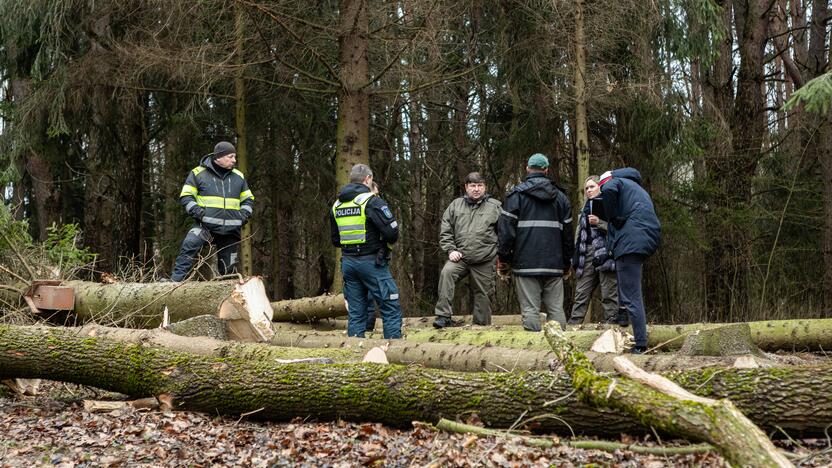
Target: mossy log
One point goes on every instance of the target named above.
(662, 404)
(730, 340)
(204, 346)
(426, 322)
(794, 399)
(243, 304)
(772, 335)
(475, 358)
(434, 355)
(309, 309)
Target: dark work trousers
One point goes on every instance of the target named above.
(585, 286)
(363, 278)
(227, 245)
(534, 290)
(371, 312)
(628, 267)
(482, 282)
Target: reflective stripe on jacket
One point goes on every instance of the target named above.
(351, 218)
(535, 228)
(224, 195)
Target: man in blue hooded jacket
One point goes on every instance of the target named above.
(634, 234)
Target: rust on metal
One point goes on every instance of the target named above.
(49, 295)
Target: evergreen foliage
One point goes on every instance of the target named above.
(107, 105)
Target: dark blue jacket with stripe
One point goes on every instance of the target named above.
(634, 227)
(535, 228)
(217, 198)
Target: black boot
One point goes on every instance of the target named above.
(623, 317)
(443, 322)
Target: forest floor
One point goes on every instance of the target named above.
(53, 429)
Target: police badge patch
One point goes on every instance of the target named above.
(386, 211)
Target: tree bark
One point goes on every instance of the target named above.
(142, 305)
(309, 309)
(771, 335)
(660, 403)
(471, 358)
(581, 133)
(461, 358)
(240, 123)
(353, 133)
(795, 399)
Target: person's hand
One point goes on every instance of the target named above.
(599, 260)
(197, 213)
(503, 270)
(455, 256)
(593, 220)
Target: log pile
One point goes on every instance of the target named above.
(291, 359)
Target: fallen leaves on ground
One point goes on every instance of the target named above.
(44, 431)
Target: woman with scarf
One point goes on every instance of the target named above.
(592, 264)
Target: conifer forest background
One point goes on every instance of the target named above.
(721, 104)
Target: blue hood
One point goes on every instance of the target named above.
(628, 173)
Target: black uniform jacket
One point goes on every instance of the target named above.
(535, 228)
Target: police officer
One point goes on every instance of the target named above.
(362, 225)
(217, 197)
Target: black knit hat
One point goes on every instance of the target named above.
(223, 148)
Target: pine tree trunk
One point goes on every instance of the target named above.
(771, 335)
(309, 309)
(795, 399)
(242, 131)
(581, 132)
(470, 358)
(142, 305)
(353, 133)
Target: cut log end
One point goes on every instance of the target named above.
(248, 312)
(728, 340)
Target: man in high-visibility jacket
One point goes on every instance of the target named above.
(217, 197)
(362, 225)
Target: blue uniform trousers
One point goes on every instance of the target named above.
(628, 269)
(363, 278)
(227, 246)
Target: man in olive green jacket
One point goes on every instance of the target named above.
(469, 237)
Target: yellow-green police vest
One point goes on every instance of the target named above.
(351, 218)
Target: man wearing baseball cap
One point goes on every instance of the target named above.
(218, 199)
(536, 241)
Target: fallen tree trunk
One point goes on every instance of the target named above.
(473, 358)
(427, 322)
(795, 399)
(203, 346)
(660, 403)
(243, 304)
(309, 309)
(461, 358)
(772, 335)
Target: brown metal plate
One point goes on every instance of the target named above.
(46, 295)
